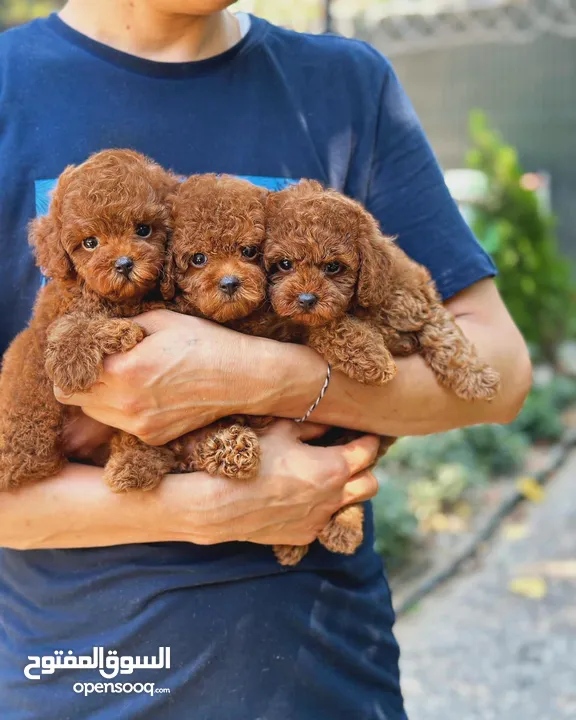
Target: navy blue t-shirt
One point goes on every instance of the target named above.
(248, 639)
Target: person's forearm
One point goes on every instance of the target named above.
(76, 509)
(413, 403)
(298, 490)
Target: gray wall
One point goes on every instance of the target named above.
(528, 92)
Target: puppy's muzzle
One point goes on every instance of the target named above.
(307, 301)
(124, 266)
(229, 284)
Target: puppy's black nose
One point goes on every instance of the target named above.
(124, 265)
(229, 284)
(307, 301)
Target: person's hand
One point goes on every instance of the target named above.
(298, 490)
(186, 374)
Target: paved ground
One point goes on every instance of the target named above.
(476, 651)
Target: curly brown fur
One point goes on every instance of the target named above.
(228, 448)
(215, 268)
(355, 297)
(219, 230)
(133, 465)
(96, 213)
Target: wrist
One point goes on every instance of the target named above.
(295, 375)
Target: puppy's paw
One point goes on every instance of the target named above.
(344, 533)
(232, 452)
(18, 469)
(378, 374)
(290, 555)
(367, 371)
(79, 374)
(477, 384)
(119, 336)
(137, 469)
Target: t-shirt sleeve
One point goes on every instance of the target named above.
(408, 196)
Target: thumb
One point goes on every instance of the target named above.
(310, 431)
(297, 431)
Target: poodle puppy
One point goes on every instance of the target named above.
(102, 244)
(214, 269)
(354, 296)
(334, 274)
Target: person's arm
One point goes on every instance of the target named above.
(413, 403)
(298, 490)
(189, 372)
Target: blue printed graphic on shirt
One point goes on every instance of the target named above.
(44, 188)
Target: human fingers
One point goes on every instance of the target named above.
(363, 486)
(357, 455)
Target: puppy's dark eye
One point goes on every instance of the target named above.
(285, 265)
(90, 243)
(332, 268)
(250, 252)
(199, 259)
(143, 230)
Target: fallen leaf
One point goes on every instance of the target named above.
(441, 523)
(531, 489)
(515, 531)
(534, 588)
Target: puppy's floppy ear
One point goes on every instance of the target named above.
(167, 182)
(273, 201)
(312, 185)
(168, 282)
(46, 235)
(375, 255)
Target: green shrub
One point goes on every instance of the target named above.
(540, 419)
(534, 278)
(498, 449)
(395, 525)
(485, 450)
(422, 477)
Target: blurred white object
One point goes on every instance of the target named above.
(470, 187)
(567, 357)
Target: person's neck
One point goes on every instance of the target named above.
(134, 27)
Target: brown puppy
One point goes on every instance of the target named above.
(335, 274)
(350, 293)
(215, 269)
(103, 245)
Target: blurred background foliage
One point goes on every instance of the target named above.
(16, 12)
(535, 279)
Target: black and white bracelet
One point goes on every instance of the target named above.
(318, 399)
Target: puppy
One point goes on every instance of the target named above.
(214, 269)
(102, 245)
(354, 296)
(335, 275)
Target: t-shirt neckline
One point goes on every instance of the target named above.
(153, 68)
